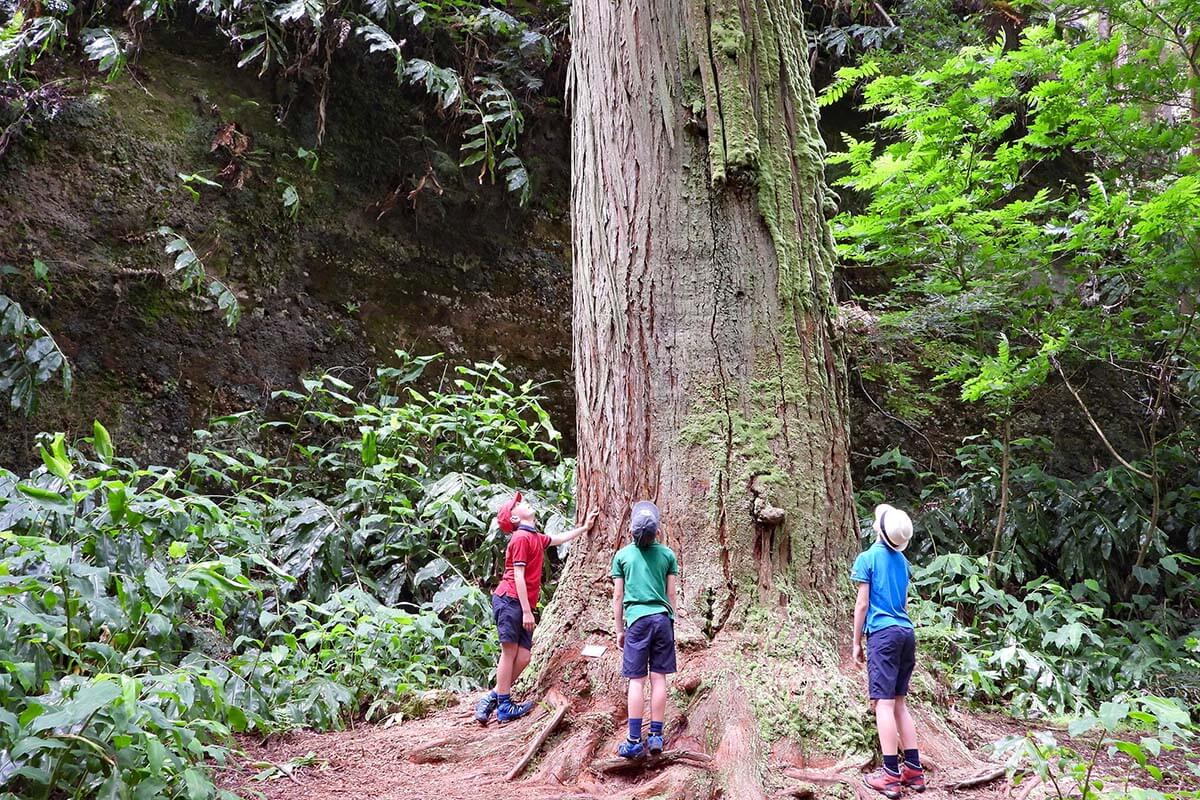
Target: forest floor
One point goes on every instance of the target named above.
(447, 756)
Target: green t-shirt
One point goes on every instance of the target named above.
(645, 571)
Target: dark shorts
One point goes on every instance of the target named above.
(507, 613)
(891, 656)
(649, 642)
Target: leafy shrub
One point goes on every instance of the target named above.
(29, 357)
(151, 612)
(1067, 617)
(1159, 725)
(1069, 529)
(1044, 649)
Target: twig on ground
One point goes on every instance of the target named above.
(610, 766)
(538, 742)
(979, 778)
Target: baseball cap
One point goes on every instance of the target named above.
(504, 515)
(643, 521)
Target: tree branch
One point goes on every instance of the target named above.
(1095, 425)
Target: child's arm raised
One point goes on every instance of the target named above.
(619, 610)
(527, 620)
(860, 616)
(563, 538)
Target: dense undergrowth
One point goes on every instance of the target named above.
(304, 569)
(1021, 224)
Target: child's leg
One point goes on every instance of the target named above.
(636, 697)
(521, 662)
(636, 706)
(506, 667)
(885, 720)
(658, 696)
(908, 733)
(905, 727)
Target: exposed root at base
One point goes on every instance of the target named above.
(629, 766)
(547, 729)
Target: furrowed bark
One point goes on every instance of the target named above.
(708, 371)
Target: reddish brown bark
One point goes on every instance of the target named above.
(708, 371)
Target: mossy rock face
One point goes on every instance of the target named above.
(348, 281)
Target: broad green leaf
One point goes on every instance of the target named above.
(86, 702)
(157, 583)
(102, 442)
(1112, 714)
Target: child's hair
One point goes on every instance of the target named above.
(643, 523)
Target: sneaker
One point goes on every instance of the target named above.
(510, 711)
(912, 777)
(654, 744)
(628, 749)
(485, 707)
(886, 783)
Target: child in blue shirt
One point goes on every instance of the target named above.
(881, 612)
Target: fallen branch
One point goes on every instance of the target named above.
(609, 766)
(538, 742)
(979, 779)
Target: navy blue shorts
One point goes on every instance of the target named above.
(649, 642)
(891, 656)
(507, 613)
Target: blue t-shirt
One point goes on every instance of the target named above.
(886, 571)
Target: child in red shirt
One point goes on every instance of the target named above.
(513, 602)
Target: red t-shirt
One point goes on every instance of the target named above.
(525, 548)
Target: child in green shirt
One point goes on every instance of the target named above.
(644, 576)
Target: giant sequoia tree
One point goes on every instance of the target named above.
(707, 367)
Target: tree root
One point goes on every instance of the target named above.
(440, 751)
(617, 766)
(567, 758)
(980, 778)
(827, 778)
(547, 729)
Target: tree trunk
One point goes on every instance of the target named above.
(708, 371)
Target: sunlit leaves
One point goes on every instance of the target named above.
(1025, 191)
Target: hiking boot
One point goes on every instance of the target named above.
(886, 783)
(510, 711)
(628, 749)
(912, 777)
(485, 707)
(654, 743)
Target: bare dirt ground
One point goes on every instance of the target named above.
(447, 756)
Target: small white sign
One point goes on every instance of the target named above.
(594, 650)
